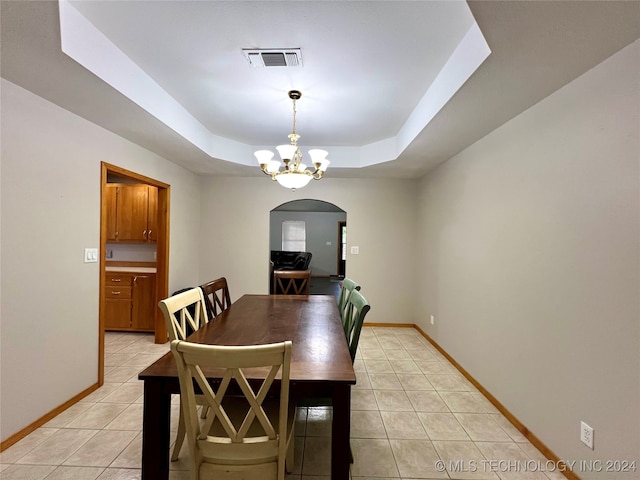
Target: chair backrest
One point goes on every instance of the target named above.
(291, 282)
(216, 296)
(356, 309)
(348, 286)
(237, 435)
(184, 313)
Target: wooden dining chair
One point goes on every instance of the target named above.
(347, 286)
(247, 436)
(216, 296)
(184, 313)
(291, 282)
(355, 310)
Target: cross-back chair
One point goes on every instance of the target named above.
(216, 296)
(248, 437)
(184, 313)
(291, 282)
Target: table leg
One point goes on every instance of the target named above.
(155, 432)
(340, 432)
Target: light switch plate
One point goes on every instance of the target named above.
(355, 250)
(90, 255)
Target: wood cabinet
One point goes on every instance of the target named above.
(143, 301)
(109, 199)
(130, 301)
(131, 211)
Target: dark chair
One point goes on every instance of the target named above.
(356, 309)
(216, 296)
(291, 282)
(347, 286)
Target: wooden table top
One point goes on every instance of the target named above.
(312, 323)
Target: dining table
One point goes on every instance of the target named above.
(321, 367)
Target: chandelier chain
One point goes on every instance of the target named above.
(294, 116)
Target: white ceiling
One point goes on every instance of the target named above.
(366, 68)
(213, 98)
(350, 56)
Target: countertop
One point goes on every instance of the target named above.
(131, 269)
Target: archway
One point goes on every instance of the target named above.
(322, 226)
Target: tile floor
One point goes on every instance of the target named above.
(412, 414)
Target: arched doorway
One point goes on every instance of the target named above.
(317, 227)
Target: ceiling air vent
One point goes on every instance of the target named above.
(288, 57)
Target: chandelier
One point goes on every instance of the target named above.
(291, 172)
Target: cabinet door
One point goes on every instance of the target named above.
(152, 217)
(117, 314)
(144, 302)
(110, 202)
(133, 207)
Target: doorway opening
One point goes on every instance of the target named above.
(342, 251)
(160, 221)
(310, 226)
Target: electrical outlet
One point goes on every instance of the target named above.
(586, 435)
(432, 319)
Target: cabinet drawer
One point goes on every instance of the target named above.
(118, 279)
(117, 291)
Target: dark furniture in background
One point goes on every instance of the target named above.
(281, 260)
(290, 260)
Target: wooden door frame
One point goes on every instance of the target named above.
(340, 225)
(162, 255)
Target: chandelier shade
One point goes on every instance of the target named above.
(290, 172)
(293, 180)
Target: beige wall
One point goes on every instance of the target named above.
(380, 220)
(50, 212)
(531, 263)
(524, 247)
(50, 198)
